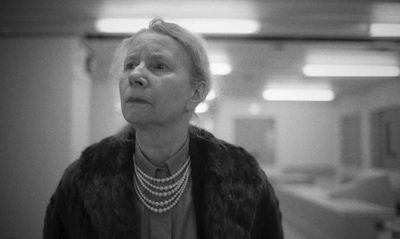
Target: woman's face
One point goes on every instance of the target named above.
(155, 85)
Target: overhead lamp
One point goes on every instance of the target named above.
(298, 95)
(121, 25)
(384, 30)
(221, 26)
(220, 68)
(316, 70)
(201, 108)
(207, 26)
(211, 95)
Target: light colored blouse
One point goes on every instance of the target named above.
(180, 221)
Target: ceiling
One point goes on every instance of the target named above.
(291, 30)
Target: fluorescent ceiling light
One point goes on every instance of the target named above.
(219, 68)
(351, 57)
(298, 95)
(384, 30)
(211, 95)
(351, 70)
(121, 25)
(221, 26)
(210, 26)
(201, 108)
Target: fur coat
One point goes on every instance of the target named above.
(96, 199)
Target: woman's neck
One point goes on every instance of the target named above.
(159, 144)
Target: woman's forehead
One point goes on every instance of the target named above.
(152, 42)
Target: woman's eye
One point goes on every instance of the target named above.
(130, 66)
(159, 66)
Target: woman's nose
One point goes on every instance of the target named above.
(137, 76)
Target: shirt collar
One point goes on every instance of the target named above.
(173, 164)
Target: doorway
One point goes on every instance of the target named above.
(351, 141)
(386, 139)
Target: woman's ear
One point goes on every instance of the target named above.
(197, 96)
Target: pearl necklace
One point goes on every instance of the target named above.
(172, 191)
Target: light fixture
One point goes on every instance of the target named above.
(211, 95)
(121, 25)
(384, 30)
(207, 26)
(201, 108)
(220, 68)
(298, 95)
(221, 26)
(319, 70)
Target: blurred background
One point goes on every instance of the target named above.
(310, 88)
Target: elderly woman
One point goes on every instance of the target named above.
(162, 177)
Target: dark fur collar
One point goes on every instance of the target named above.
(226, 182)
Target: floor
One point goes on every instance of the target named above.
(291, 233)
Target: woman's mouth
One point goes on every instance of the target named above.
(136, 100)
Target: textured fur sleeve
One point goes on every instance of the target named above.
(66, 216)
(53, 224)
(240, 201)
(268, 222)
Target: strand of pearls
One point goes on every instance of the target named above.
(173, 191)
(161, 188)
(163, 180)
(143, 182)
(158, 207)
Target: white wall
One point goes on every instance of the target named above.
(384, 96)
(106, 116)
(36, 76)
(81, 100)
(306, 133)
